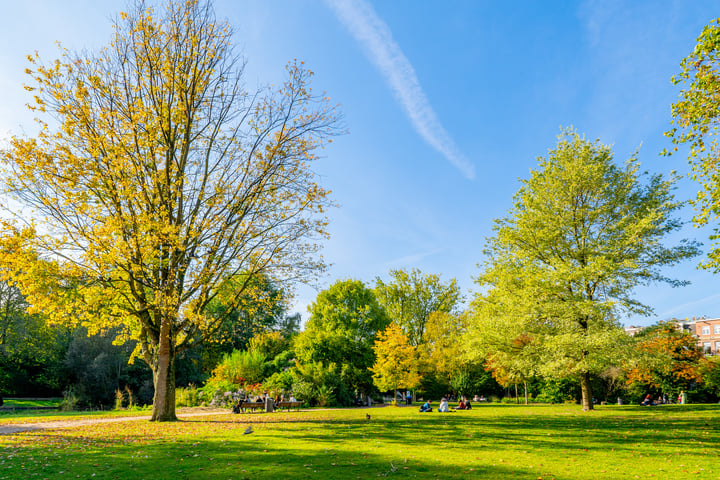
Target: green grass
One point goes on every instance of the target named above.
(15, 402)
(10, 416)
(489, 442)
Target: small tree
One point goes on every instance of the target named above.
(396, 361)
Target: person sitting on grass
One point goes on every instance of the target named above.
(648, 401)
(461, 405)
(467, 405)
(426, 407)
(444, 407)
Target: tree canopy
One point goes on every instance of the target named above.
(412, 296)
(396, 361)
(156, 177)
(582, 233)
(696, 117)
(344, 322)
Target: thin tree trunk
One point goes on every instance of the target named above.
(517, 398)
(164, 378)
(526, 392)
(587, 403)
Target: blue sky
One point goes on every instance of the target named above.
(447, 105)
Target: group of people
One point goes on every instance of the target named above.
(463, 404)
(268, 402)
(663, 399)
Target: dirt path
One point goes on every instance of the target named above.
(10, 429)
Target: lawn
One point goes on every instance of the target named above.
(489, 442)
(31, 403)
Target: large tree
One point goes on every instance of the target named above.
(156, 176)
(344, 322)
(582, 233)
(696, 116)
(412, 297)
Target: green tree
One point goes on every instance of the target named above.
(159, 178)
(696, 118)
(344, 321)
(396, 361)
(498, 338)
(583, 232)
(710, 372)
(31, 352)
(96, 368)
(412, 296)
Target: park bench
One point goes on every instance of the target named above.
(252, 406)
(288, 405)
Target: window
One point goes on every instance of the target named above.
(717, 347)
(707, 347)
(706, 330)
(717, 329)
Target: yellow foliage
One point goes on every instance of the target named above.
(396, 360)
(163, 179)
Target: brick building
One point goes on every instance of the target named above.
(707, 331)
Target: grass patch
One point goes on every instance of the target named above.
(492, 442)
(25, 403)
(35, 416)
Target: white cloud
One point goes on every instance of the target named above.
(376, 38)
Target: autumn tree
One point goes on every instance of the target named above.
(667, 359)
(582, 233)
(412, 296)
(156, 177)
(396, 361)
(696, 116)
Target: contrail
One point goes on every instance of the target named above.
(374, 35)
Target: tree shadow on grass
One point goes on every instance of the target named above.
(246, 458)
(344, 444)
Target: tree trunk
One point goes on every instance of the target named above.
(587, 403)
(517, 398)
(164, 377)
(526, 392)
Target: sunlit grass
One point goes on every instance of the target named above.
(503, 441)
(34, 416)
(30, 403)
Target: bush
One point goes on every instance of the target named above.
(557, 391)
(188, 397)
(303, 391)
(70, 400)
(119, 399)
(324, 396)
(280, 382)
(240, 367)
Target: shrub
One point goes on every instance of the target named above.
(279, 382)
(70, 400)
(303, 391)
(240, 367)
(119, 399)
(188, 397)
(324, 396)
